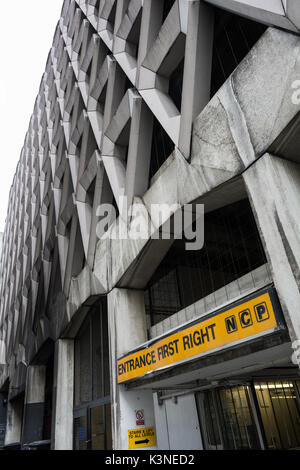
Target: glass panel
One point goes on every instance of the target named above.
(85, 366)
(105, 363)
(280, 413)
(97, 428)
(92, 384)
(239, 429)
(161, 149)
(80, 433)
(248, 423)
(231, 430)
(232, 249)
(97, 366)
(227, 419)
(234, 37)
(209, 421)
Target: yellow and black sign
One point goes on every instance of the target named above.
(238, 323)
(144, 437)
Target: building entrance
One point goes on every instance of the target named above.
(261, 414)
(92, 427)
(228, 419)
(92, 408)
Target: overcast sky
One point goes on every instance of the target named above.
(26, 33)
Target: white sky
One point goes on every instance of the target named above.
(26, 32)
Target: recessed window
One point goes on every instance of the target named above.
(234, 37)
(92, 413)
(175, 84)
(168, 4)
(232, 248)
(162, 147)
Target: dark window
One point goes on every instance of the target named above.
(48, 400)
(234, 37)
(112, 15)
(162, 147)
(168, 4)
(134, 35)
(92, 422)
(175, 84)
(92, 359)
(232, 248)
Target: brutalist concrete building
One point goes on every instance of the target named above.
(156, 108)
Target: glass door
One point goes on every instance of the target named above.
(211, 432)
(278, 402)
(227, 419)
(101, 436)
(92, 428)
(81, 438)
(238, 424)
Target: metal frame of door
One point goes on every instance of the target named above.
(253, 405)
(220, 419)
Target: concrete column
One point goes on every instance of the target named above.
(13, 422)
(273, 185)
(63, 392)
(34, 405)
(150, 26)
(127, 329)
(139, 151)
(197, 64)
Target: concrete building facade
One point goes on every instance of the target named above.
(148, 112)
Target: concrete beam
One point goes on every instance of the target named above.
(197, 66)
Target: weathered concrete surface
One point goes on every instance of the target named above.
(14, 422)
(74, 155)
(64, 390)
(126, 307)
(251, 109)
(273, 185)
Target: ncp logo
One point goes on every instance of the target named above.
(245, 319)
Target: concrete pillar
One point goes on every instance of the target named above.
(34, 405)
(139, 151)
(14, 416)
(150, 26)
(127, 329)
(273, 185)
(63, 392)
(197, 64)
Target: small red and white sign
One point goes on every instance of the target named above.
(139, 414)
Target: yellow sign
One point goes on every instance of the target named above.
(240, 322)
(144, 437)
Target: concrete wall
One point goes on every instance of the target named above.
(89, 142)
